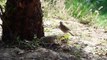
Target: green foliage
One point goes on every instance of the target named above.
(99, 3)
(82, 10)
(2, 2)
(88, 11)
(65, 38)
(102, 21)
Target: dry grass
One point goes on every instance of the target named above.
(54, 9)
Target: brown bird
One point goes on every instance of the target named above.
(65, 29)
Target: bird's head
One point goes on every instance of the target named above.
(61, 22)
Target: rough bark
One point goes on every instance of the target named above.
(22, 19)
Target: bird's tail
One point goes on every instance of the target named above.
(71, 33)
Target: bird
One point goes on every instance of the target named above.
(64, 28)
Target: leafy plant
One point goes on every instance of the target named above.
(65, 38)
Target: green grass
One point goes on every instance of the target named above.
(91, 12)
(82, 10)
(102, 21)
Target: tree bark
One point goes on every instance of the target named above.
(22, 19)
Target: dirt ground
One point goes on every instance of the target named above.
(88, 43)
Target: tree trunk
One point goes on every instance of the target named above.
(22, 19)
